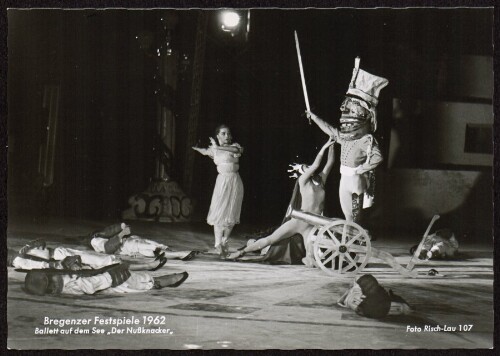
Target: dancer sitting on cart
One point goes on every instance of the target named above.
(312, 190)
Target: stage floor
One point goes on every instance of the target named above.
(237, 305)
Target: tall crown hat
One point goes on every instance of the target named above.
(365, 85)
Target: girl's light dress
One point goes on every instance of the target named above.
(225, 208)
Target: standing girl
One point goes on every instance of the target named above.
(227, 197)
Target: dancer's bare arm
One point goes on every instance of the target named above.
(312, 168)
(204, 151)
(329, 163)
(234, 148)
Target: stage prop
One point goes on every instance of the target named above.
(302, 77)
(342, 248)
(164, 200)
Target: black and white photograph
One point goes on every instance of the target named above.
(249, 178)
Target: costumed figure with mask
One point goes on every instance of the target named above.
(360, 153)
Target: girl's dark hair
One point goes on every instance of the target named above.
(220, 127)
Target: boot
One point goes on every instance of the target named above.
(357, 205)
(170, 280)
(158, 253)
(190, 256)
(161, 263)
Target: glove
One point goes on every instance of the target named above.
(73, 263)
(119, 274)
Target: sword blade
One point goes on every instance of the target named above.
(304, 88)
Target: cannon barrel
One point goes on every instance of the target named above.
(313, 219)
(321, 221)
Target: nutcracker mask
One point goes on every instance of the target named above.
(359, 116)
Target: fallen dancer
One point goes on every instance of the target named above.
(36, 255)
(109, 280)
(312, 190)
(440, 245)
(117, 239)
(368, 298)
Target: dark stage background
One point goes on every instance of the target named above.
(105, 148)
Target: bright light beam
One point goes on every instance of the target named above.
(230, 20)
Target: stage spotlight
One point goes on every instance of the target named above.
(229, 21)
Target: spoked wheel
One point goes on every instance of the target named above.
(342, 248)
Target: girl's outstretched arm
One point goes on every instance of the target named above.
(234, 148)
(329, 163)
(204, 151)
(312, 168)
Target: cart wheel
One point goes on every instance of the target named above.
(342, 248)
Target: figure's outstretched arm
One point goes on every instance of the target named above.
(323, 125)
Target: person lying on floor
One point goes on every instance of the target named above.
(36, 255)
(108, 280)
(440, 245)
(368, 298)
(117, 239)
(312, 191)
